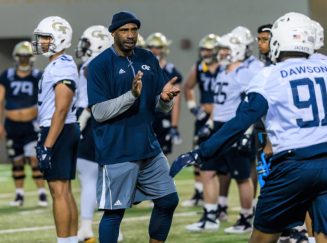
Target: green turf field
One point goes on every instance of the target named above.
(33, 224)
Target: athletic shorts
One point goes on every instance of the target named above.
(233, 162)
(21, 138)
(123, 184)
(161, 126)
(86, 147)
(64, 152)
(293, 188)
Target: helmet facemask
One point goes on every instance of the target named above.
(41, 47)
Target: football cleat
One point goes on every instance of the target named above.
(222, 213)
(243, 225)
(298, 236)
(18, 201)
(196, 200)
(206, 223)
(43, 201)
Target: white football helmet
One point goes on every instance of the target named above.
(60, 32)
(236, 47)
(93, 41)
(246, 37)
(21, 50)
(293, 32)
(319, 35)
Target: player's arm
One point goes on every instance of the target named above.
(63, 98)
(189, 84)
(2, 103)
(176, 111)
(247, 114)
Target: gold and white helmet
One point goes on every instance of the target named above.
(21, 50)
(140, 41)
(60, 32)
(209, 43)
(158, 40)
(93, 41)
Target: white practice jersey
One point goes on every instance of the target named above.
(254, 64)
(228, 90)
(297, 98)
(82, 99)
(318, 56)
(62, 68)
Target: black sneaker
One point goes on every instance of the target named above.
(18, 202)
(43, 201)
(243, 225)
(196, 200)
(222, 213)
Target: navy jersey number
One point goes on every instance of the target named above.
(25, 87)
(311, 102)
(220, 95)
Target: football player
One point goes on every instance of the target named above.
(18, 105)
(165, 125)
(59, 134)
(230, 84)
(292, 95)
(263, 39)
(202, 74)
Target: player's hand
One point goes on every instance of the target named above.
(175, 135)
(169, 91)
(44, 156)
(244, 145)
(137, 84)
(204, 132)
(184, 160)
(199, 114)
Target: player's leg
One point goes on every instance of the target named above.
(154, 183)
(258, 236)
(29, 137)
(224, 183)
(14, 145)
(38, 179)
(63, 209)
(318, 209)
(59, 180)
(240, 168)
(18, 174)
(210, 195)
(88, 173)
(197, 197)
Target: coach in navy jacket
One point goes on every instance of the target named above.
(125, 87)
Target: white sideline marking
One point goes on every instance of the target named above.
(131, 219)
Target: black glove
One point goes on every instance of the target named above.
(175, 135)
(204, 131)
(44, 156)
(199, 114)
(190, 158)
(245, 143)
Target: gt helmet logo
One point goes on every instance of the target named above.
(58, 26)
(98, 34)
